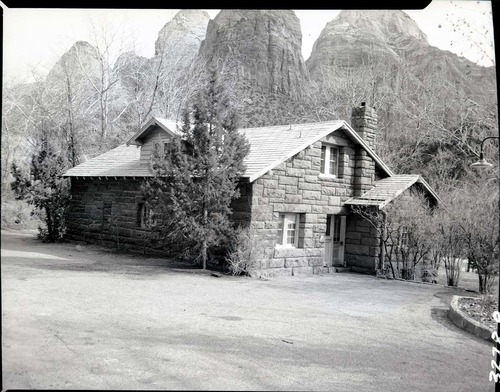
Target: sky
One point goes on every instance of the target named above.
(35, 38)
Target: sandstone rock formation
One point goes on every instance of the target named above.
(261, 48)
(387, 39)
(183, 34)
(257, 54)
(383, 58)
(359, 37)
(81, 64)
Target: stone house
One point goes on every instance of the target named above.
(296, 194)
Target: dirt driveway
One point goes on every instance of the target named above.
(78, 317)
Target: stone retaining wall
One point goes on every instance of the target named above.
(462, 320)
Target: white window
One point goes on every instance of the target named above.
(146, 217)
(330, 160)
(288, 230)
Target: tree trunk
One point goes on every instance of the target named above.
(71, 136)
(481, 282)
(388, 255)
(204, 242)
(50, 225)
(485, 282)
(204, 254)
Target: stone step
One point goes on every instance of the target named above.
(331, 269)
(323, 270)
(341, 268)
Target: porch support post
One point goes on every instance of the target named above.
(381, 262)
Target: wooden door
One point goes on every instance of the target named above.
(335, 240)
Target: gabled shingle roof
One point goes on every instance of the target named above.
(269, 146)
(122, 161)
(387, 189)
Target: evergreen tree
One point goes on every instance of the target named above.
(196, 179)
(45, 189)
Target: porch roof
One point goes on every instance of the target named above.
(387, 189)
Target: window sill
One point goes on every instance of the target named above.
(281, 251)
(329, 177)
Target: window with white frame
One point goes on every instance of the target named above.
(145, 216)
(330, 156)
(288, 230)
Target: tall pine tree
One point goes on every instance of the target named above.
(196, 179)
(45, 188)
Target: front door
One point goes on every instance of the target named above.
(335, 240)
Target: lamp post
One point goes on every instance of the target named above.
(482, 162)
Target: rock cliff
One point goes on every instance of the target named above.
(262, 47)
(80, 63)
(383, 58)
(183, 35)
(387, 39)
(257, 54)
(354, 38)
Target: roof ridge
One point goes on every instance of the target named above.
(292, 124)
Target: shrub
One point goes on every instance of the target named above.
(19, 215)
(245, 254)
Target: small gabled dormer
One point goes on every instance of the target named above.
(153, 137)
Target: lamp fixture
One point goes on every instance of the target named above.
(482, 161)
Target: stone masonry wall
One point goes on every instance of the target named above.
(364, 172)
(106, 212)
(362, 245)
(296, 186)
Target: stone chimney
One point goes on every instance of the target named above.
(364, 120)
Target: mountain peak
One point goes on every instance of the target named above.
(188, 27)
(191, 17)
(81, 46)
(393, 24)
